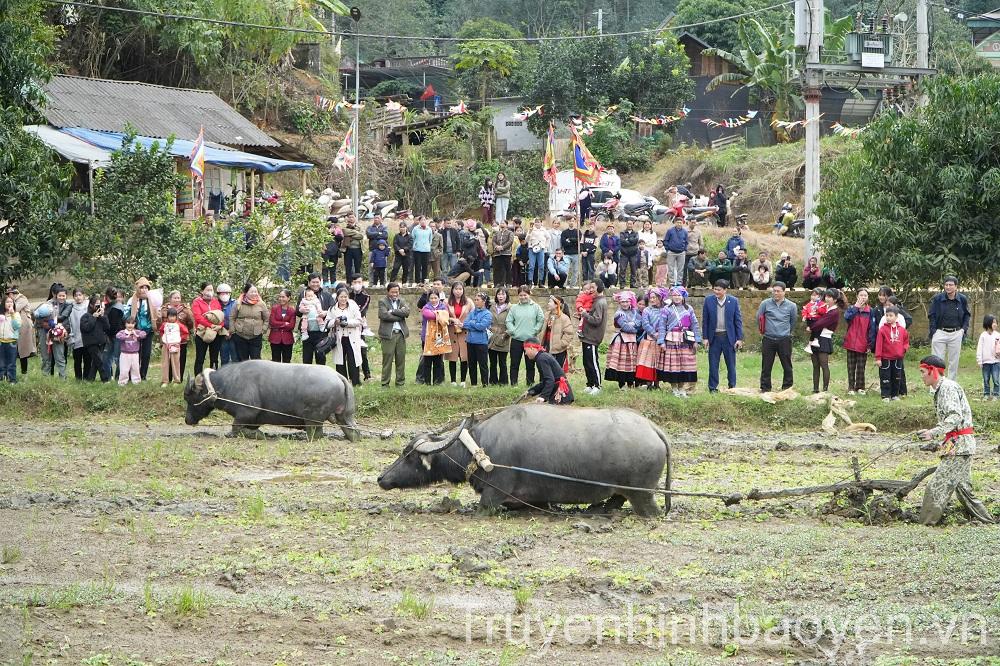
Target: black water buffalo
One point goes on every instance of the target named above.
(613, 446)
(257, 393)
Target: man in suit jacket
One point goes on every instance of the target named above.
(392, 331)
(722, 333)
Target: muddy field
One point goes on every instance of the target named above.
(169, 545)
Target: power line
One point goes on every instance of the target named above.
(327, 33)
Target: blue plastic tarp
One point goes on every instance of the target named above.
(231, 159)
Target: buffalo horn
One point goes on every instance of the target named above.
(199, 382)
(435, 444)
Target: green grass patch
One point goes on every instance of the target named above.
(50, 399)
(412, 605)
(189, 602)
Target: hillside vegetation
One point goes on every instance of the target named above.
(764, 177)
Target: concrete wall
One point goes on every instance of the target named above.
(512, 134)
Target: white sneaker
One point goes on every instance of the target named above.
(595, 390)
(897, 398)
(454, 384)
(885, 399)
(850, 393)
(683, 393)
(462, 385)
(862, 392)
(676, 393)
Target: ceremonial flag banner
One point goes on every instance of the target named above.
(549, 169)
(586, 168)
(198, 155)
(347, 153)
(428, 93)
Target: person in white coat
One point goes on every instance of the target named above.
(347, 323)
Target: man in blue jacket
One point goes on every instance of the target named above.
(734, 243)
(676, 242)
(949, 318)
(721, 333)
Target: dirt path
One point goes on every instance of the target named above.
(171, 545)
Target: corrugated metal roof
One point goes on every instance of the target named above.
(157, 111)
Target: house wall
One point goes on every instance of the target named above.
(512, 134)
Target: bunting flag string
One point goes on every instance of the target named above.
(662, 120)
(458, 108)
(526, 113)
(731, 122)
(327, 104)
(850, 132)
(786, 124)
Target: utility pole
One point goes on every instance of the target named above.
(356, 17)
(809, 19)
(600, 21)
(923, 41)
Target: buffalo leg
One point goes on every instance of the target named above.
(313, 432)
(614, 503)
(349, 426)
(644, 504)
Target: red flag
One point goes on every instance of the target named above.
(428, 93)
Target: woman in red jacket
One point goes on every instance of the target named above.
(207, 333)
(859, 320)
(824, 328)
(282, 337)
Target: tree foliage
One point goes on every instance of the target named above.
(135, 233)
(26, 45)
(33, 185)
(585, 77)
(921, 199)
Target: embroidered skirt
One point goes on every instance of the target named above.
(681, 363)
(621, 360)
(650, 360)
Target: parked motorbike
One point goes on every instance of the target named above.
(788, 225)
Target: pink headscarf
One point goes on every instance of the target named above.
(626, 297)
(660, 292)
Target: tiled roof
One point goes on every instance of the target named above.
(156, 111)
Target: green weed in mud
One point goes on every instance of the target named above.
(412, 605)
(253, 508)
(10, 555)
(522, 596)
(189, 602)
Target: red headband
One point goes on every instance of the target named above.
(532, 345)
(934, 371)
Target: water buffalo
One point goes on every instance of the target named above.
(260, 393)
(614, 446)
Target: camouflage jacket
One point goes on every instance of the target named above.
(953, 413)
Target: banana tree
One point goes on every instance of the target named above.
(764, 64)
(332, 6)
